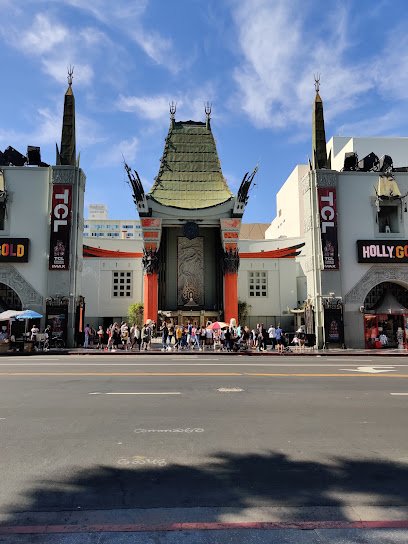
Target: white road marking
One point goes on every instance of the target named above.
(400, 394)
(119, 393)
(371, 369)
(25, 359)
(229, 389)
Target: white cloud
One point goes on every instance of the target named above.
(280, 55)
(43, 36)
(127, 17)
(190, 105)
(149, 107)
(124, 150)
(57, 68)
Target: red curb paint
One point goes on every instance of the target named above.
(202, 526)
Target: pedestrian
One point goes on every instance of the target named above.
(208, 338)
(179, 334)
(100, 334)
(264, 336)
(272, 337)
(171, 336)
(47, 337)
(87, 333)
(115, 335)
(202, 338)
(124, 336)
(135, 337)
(194, 342)
(279, 339)
(228, 339)
(165, 333)
(146, 337)
(301, 335)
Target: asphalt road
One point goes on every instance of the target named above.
(207, 439)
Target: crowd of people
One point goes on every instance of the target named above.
(190, 336)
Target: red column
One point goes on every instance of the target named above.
(230, 296)
(151, 296)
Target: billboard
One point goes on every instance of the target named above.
(382, 251)
(60, 231)
(14, 250)
(328, 227)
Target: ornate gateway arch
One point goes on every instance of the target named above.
(374, 276)
(29, 297)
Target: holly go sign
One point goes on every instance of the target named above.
(61, 212)
(382, 251)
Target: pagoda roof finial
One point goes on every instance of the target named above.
(317, 82)
(207, 109)
(70, 76)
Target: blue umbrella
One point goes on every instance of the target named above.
(28, 314)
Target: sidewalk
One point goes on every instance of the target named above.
(250, 353)
(205, 525)
(156, 349)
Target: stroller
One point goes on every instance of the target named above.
(286, 345)
(240, 345)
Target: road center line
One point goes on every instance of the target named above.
(190, 365)
(200, 374)
(138, 393)
(400, 394)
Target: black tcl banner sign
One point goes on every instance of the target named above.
(60, 227)
(382, 251)
(14, 250)
(328, 227)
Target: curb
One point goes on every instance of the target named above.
(201, 526)
(121, 353)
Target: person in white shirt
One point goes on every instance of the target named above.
(208, 338)
(272, 337)
(34, 331)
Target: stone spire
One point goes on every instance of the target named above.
(319, 152)
(67, 153)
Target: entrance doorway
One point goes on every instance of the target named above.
(386, 316)
(9, 300)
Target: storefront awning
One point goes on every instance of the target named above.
(387, 187)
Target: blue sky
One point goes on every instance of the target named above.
(254, 60)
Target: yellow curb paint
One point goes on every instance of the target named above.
(120, 374)
(203, 374)
(382, 375)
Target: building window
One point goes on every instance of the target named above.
(122, 284)
(388, 219)
(258, 284)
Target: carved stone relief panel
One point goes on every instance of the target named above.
(373, 277)
(326, 179)
(190, 271)
(63, 175)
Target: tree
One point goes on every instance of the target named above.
(243, 312)
(135, 314)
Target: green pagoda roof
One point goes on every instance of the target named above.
(190, 175)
